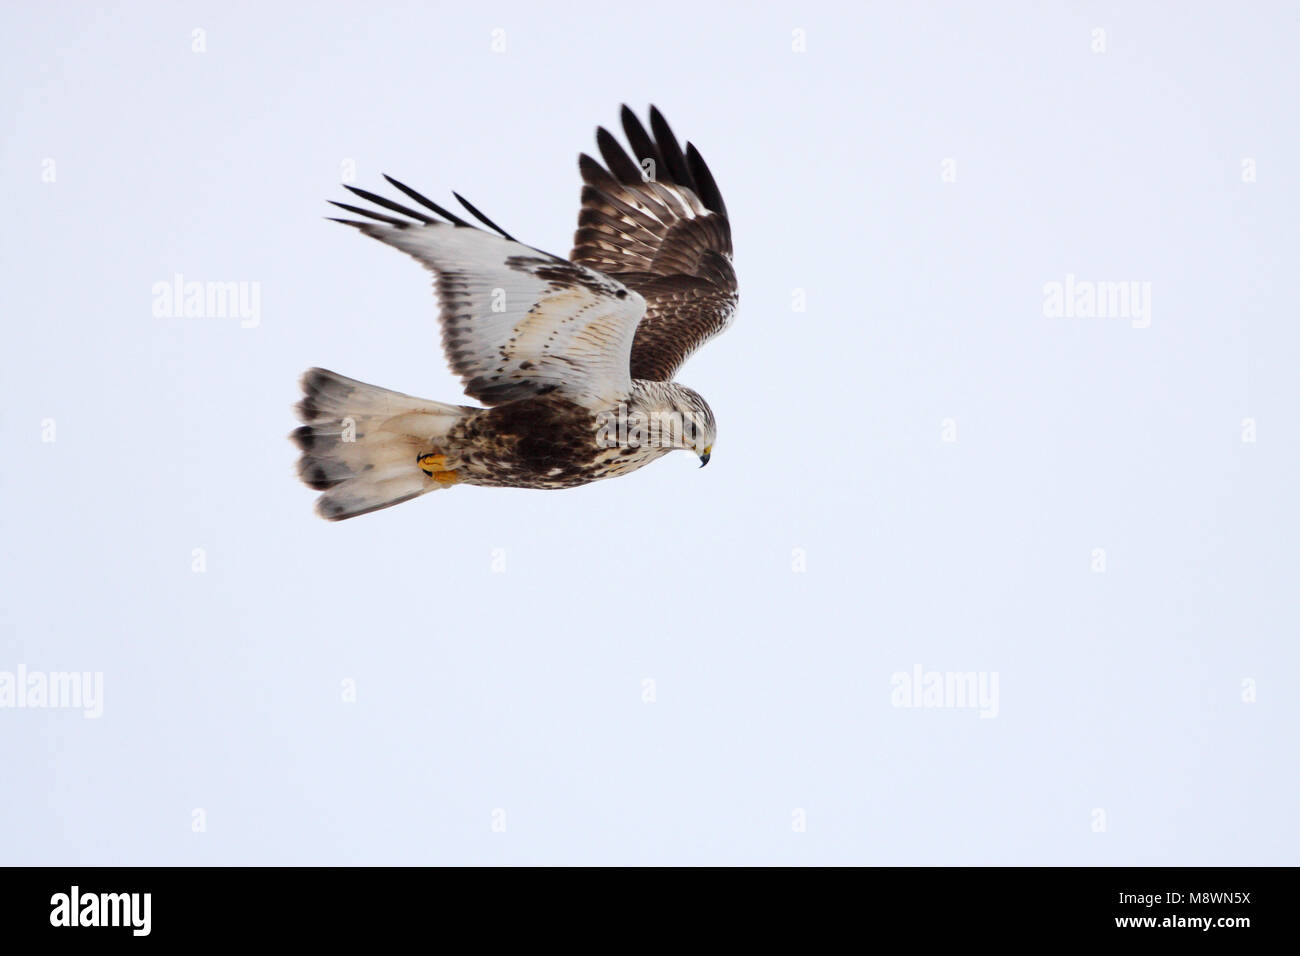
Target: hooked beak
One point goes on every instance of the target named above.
(705, 456)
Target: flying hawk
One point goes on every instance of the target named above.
(573, 358)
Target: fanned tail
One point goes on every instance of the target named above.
(361, 444)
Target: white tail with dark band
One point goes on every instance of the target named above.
(361, 444)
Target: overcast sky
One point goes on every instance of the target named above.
(935, 458)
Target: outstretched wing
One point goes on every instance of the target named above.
(516, 321)
(659, 226)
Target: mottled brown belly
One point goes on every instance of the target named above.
(535, 443)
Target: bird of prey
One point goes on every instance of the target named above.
(573, 358)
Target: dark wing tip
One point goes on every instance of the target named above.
(473, 211)
(705, 185)
(388, 204)
(426, 202)
(371, 214)
(643, 146)
(669, 149)
(616, 158)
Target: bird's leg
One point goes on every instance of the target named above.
(435, 466)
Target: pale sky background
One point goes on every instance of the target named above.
(1121, 694)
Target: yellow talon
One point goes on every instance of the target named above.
(435, 466)
(431, 463)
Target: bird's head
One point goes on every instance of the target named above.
(668, 416)
(698, 429)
